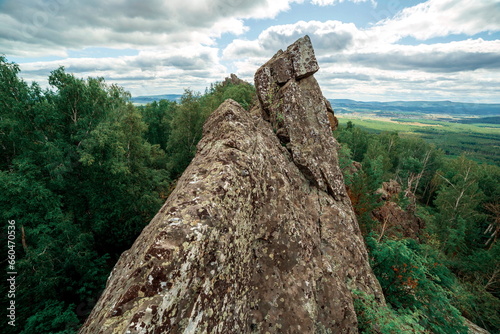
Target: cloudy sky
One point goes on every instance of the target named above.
(368, 50)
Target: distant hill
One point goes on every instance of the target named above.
(422, 107)
(484, 120)
(390, 108)
(151, 98)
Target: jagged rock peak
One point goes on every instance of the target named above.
(259, 235)
(234, 80)
(297, 62)
(292, 101)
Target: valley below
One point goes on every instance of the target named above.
(457, 128)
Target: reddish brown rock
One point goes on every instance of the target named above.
(395, 220)
(259, 235)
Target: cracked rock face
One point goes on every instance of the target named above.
(259, 235)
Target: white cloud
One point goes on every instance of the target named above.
(436, 18)
(173, 38)
(371, 64)
(176, 42)
(334, 36)
(334, 2)
(160, 69)
(29, 25)
(344, 44)
(369, 84)
(460, 56)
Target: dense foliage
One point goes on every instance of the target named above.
(82, 172)
(455, 270)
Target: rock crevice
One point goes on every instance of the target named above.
(259, 234)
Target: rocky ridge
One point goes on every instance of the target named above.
(259, 235)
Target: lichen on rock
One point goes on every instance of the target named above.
(259, 236)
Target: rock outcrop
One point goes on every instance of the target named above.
(395, 220)
(259, 235)
(234, 80)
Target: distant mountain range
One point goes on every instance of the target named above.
(420, 107)
(391, 108)
(151, 98)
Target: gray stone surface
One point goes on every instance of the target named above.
(259, 235)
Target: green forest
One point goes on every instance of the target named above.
(479, 141)
(83, 171)
(453, 270)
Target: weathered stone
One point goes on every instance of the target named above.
(281, 69)
(395, 220)
(299, 113)
(259, 235)
(334, 122)
(234, 80)
(297, 62)
(303, 58)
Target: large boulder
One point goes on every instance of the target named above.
(259, 235)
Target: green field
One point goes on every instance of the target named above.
(480, 142)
